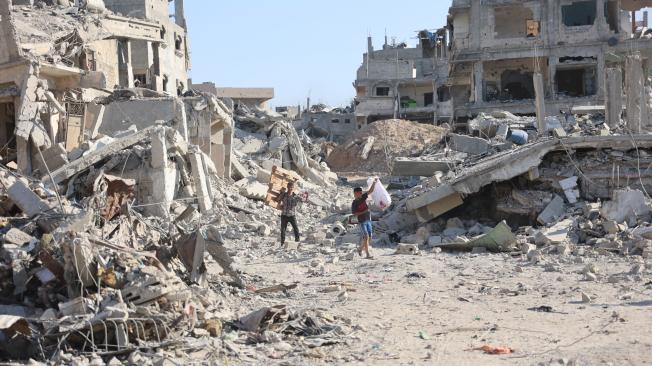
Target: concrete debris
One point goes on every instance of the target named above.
(409, 249)
(553, 211)
(138, 213)
(626, 206)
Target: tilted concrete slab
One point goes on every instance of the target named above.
(83, 163)
(500, 167)
(406, 167)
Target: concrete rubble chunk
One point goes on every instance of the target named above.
(569, 186)
(55, 157)
(626, 205)
(83, 163)
(469, 144)
(27, 200)
(553, 211)
(407, 249)
(558, 233)
(18, 237)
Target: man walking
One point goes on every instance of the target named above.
(288, 202)
(360, 209)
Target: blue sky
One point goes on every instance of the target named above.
(299, 47)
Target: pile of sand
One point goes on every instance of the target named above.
(381, 142)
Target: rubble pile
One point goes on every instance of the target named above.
(264, 139)
(566, 200)
(375, 146)
(103, 271)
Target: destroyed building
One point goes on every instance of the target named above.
(406, 82)
(488, 54)
(138, 221)
(333, 124)
(57, 63)
(250, 97)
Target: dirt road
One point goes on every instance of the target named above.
(438, 308)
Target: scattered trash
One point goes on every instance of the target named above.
(542, 309)
(493, 350)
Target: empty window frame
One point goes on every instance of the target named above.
(443, 93)
(382, 91)
(428, 99)
(576, 82)
(512, 21)
(580, 13)
(516, 85)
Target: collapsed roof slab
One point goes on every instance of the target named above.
(511, 164)
(83, 163)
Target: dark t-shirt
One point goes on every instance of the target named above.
(360, 205)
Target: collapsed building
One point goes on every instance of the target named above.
(488, 55)
(250, 97)
(550, 101)
(71, 74)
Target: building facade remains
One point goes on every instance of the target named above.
(486, 56)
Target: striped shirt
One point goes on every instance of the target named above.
(289, 204)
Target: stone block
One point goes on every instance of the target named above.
(31, 204)
(553, 211)
(626, 205)
(263, 176)
(469, 144)
(407, 249)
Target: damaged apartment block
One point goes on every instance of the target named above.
(491, 54)
(508, 73)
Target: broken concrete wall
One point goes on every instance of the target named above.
(510, 79)
(175, 59)
(106, 56)
(142, 113)
(510, 24)
(334, 126)
(9, 48)
(128, 8)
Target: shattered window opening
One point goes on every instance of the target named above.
(517, 85)
(512, 21)
(611, 13)
(576, 82)
(443, 93)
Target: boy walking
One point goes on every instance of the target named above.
(288, 204)
(360, 209)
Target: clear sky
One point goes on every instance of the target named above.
(300, 47)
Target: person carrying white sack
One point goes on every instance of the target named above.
(360, 209)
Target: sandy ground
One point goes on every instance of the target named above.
(459, 302)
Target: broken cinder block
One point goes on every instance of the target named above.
(407, 249)
(26, 199)
(553, 211)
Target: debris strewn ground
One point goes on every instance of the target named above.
(138, 222)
